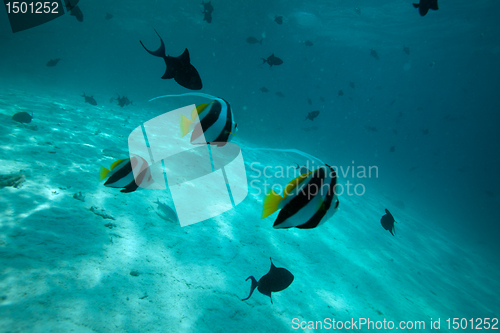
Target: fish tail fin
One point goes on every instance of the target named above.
(252, 287)
(416, 5)
(160, 52)
(271, 203)
(103, 173)
(185, 124)
(263, 61)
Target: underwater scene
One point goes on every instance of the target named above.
(249, 166)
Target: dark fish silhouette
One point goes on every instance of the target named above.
(207, 10)
(108, 16)
(207, 17)
(406, 49)
(490, 193)
(312, 115)
(123, 101)
(308, 43)
(371, 128)
(278, 19)
(388, 222)
(341, 93)
(309, 101)
(272, 60)
(277, 279)
(207, 7)
(264, 89)
(89, 99)
(253, 40)
(351, 84)
(53, 62)
(280, 94)
(393, 149)
(22, 117)
(178, 68)
(374, 54)
(425, 5)
(357, 10)
(76, 12)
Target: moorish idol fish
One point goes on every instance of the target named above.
(387, 222)
(309, 200)
(216, 120)
(277, 279)
(121, 174)
(178, 68)
(216, 123)
(424, 6)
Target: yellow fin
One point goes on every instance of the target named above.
(232, 134)
(271, 203)
(292, 185)
(103, 173)
(185, 123)
(199, 109)
(115, 163)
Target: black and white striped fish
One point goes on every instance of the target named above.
(121, 174)
(216, 123)
(216, 120)
(309, 200)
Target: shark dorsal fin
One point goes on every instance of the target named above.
(185, 56)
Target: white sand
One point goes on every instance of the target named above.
(62, 270)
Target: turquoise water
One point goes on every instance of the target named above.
(78, 256)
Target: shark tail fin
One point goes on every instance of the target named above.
(252, 288)
(160, 52)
